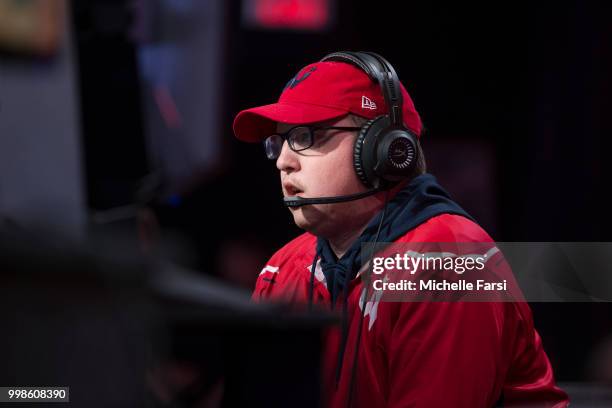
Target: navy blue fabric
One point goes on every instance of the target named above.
(420, 200)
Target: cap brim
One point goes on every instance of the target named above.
(255, 124)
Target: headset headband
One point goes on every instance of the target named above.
(381, 71)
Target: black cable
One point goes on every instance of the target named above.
(312, 279)
(365, 302)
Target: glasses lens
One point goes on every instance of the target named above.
(300, 138)
(273, 145)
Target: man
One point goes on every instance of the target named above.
(417, 354)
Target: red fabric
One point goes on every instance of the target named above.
(423, 354)
(319, 92)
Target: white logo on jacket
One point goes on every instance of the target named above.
(269, 268)
(318, 272)
(371, 307)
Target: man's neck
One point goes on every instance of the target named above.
(341, 243)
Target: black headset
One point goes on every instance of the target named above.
(385, 151)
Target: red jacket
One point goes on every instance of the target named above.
(424, 354)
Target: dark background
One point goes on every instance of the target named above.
(515, 97)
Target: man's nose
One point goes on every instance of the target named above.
(288, 160)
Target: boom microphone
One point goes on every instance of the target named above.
(296, 201)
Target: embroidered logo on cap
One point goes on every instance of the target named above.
(367, 103)
(295, 80)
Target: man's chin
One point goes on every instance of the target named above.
(302, 221)
(299, 219)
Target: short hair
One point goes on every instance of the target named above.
(421, 165)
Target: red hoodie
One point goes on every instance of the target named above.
(421, 354)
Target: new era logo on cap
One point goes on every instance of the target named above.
(367, 103)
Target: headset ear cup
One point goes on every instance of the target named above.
(397, 155)
(358, 163)
(372, 159)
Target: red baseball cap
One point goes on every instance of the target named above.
(319, 92)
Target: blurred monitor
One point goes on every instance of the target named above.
(303, 15)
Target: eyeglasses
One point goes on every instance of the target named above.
(299, 138)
